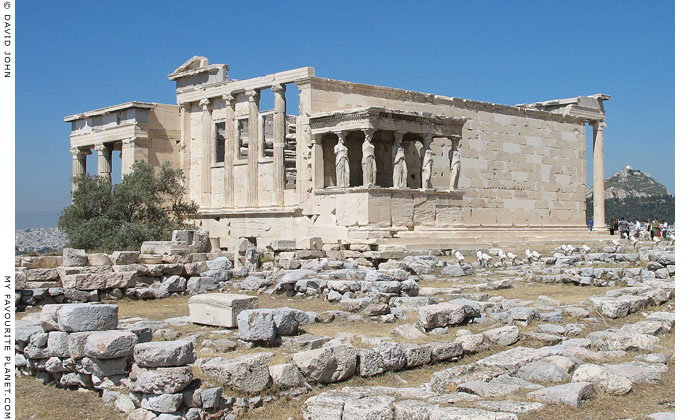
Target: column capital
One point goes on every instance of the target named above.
(426, 138)
(601, 124)
(229, 99)
(278, 88)
(398, 136)
(100, 147)
(252, 95)
(77, 152)
(205, 104)
(185, 106)
(341, 134)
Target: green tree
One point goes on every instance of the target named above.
(146, 206)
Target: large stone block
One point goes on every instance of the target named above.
(74, 257)
(445, 314)
(573, 394)
(110, 344)
(245, 373)
(326, 365)
(219, 309)
(164, 353)
(86, 317)
(256, 325)
(164, 380)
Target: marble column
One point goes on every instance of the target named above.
(342, 162)
(78, 165)
(206, 149)
(105, 167)
(184, 144)
(279, 145)
(454, 162)
(598, 175)
(253, 96)
(229, 159)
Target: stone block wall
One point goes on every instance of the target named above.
(519, 168)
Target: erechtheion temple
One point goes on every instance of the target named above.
(359, 164)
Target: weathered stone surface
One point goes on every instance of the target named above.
(445, 351)
(326, 365)
(393, 355)
(445, 314)
(408, 331)
(102, 367)
(48, 317)
(285, 375)
(324, 407)
(161, 403)
(256, 325)
(503, 336)
(164, 353)
(573, 394)
(512, 359)
(369, 362)
(86, 317)
(412, 410)
(58, 344)
(124, 257)
(219, 309)
(457, 413)
(110, 344)
(542, 371)
(164, 380)
(287, 320)
(368, 408)
(416, 355)
(74, 257)
(517, 407)
(471, 343)
(245, 373)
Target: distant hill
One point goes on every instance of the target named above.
(633, 194)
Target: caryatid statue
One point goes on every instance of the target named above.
(399, 163)
(342, 162)
(368, 160)
(427, 161)
(454, 155)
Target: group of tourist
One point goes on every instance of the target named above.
(628, 229)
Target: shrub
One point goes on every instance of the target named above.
(146, 206)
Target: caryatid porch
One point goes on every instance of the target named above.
(385, 169)
(383, 148)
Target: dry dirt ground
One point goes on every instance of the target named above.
(38, 401)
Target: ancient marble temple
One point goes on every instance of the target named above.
(358, 164)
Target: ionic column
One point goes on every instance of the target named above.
(184, 142)
(78, 165)
(105, 168)
(598, 175)
(278, 145)
(206, 132)
(253, 156)
(229, 161)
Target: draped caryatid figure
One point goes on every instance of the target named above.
(454, 155)
(427, 162)
(368, 160)
(342, 162)
(399, 163)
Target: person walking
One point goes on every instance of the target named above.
(664, 228)
(612, 226)
(623, 228)
(590, 224)
(655, 228)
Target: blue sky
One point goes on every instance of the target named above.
(94, 54)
